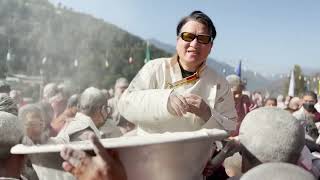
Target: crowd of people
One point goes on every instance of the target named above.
(270, 138)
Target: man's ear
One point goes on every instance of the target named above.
(212, 47)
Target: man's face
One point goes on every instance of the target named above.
(101, 115)
(237, 91)
(271, 103)
(74, 109)
(193, 54)
(34, 126)
(308, 103)
(120, 89)
(309, 99)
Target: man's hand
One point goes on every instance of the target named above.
(198, 106)
(228, 150)
(106, 165)
(177, 104)
(232, 146)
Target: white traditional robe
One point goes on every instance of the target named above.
(79, 123)
(145, 101)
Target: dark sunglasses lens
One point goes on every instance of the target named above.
(204, 39)
(188, 36)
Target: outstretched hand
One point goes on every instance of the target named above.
(228, 150)
(106, 165)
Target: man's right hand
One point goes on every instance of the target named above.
(105, 165)
(177, 105)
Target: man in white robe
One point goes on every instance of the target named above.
(182, 93)
(145, 101)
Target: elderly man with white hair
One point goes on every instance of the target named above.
(91, 116)
(243, 104)
(278, 171)
(278, 138)
(10, 135)
(49, 91)
(270, 134)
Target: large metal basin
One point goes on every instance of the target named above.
(168, 156)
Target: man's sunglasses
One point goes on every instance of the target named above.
(189, 37)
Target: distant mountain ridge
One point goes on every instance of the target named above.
(37, 30)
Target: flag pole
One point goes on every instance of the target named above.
(291, 85)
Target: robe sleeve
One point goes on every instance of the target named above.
(223, 115)
(143, 101)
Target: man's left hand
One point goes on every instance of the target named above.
(198, 106)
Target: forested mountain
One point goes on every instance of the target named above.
(40, 36)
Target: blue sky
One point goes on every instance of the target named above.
(270, 36)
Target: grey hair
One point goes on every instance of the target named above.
(233, 80)
(10, 132)
(270, 134)
(121, 81)
(8, 104)
(106, 93)
(65, 89)
(73, 101)
(91, 99)
(50, 90)
(277, 171)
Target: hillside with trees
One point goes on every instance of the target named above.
(37, 37)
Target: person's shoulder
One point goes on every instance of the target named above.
(158, 61)
(214, 77)
(298, 114)
(212, 73)
(76, 124)
(155, 65)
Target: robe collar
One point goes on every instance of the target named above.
(177, 74)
